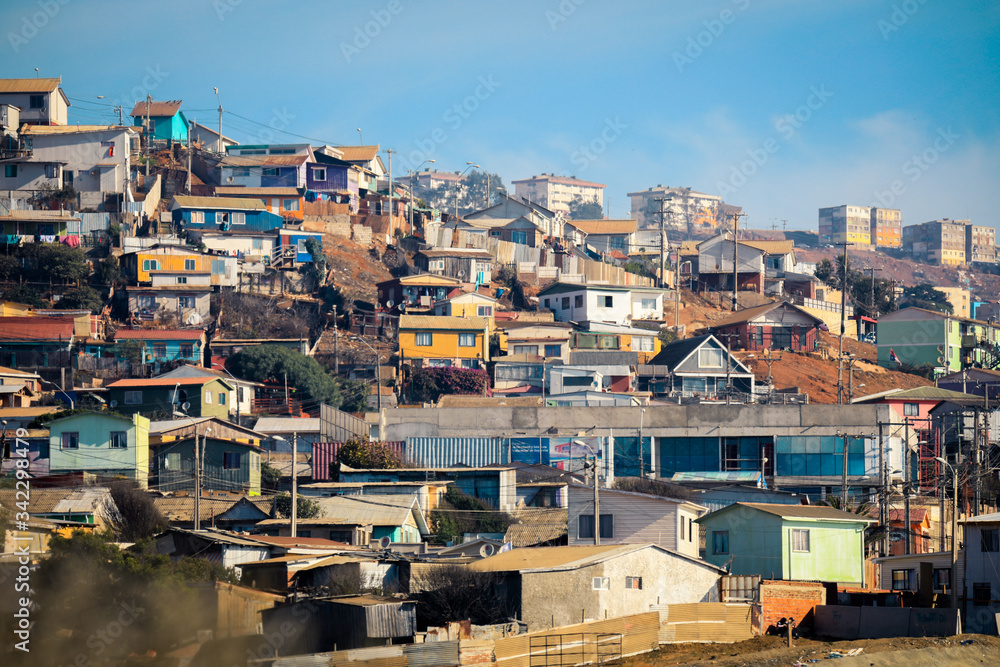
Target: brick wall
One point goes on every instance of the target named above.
(796, 599)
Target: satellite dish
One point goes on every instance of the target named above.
(385, 542)
(185, 406)
(390, 303)
(940, 360)
(461, 274)
(114, 404)
(487, 550)
(402, 305)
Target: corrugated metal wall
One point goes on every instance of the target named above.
(325, 453)
(448, 452)
(337, 426)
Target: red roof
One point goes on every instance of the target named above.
(36, 328)
(157, 109)
(617, 254)
(159, 334)
(161, 382)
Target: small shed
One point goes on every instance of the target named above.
(341, 623)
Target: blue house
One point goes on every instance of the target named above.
(162, 345)
(223, 213)
(166, 120)
(293, 238)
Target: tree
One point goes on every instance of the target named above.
(925, 296)
(861, 287)
(60, 263)
(315, 270)
(109, 271)
(80, 298)
(585, 209)
(304, 508)
(429, 384)
(10, 267)
(275, 364)
(460, 513)
(367, 455)
(131, 514)
(129, 350)
(29, 296)
(453, 592)
(355, 395)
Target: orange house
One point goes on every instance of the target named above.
(286, 202)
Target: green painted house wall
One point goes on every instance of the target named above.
(173, 466)
(919, 337)
(204, 399)
(93, 451)
(761, 543)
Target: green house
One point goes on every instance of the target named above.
(227, 465)
(105, 444)
(204, 396)
(919, 337)
(790, 542)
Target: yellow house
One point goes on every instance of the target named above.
(445, 341)
(469, 304)
(177, 265)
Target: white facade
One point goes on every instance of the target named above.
(687, 208)
(982, 569)
(597, 303)
(556, 192)
(41, 101)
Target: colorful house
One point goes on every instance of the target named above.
(445, 341)
(790, 542)
(700, 366)
(223, 213)
(20, 226)
(773, 326)
(105, 444)
(287, 202)
(33, 342)
(205, 396)
(227, 465)
(266, 166)
(166, 120)
(469, 304)
(919, 337)
(293, 238)
(166, 345)
(419, 292)
(179, 265)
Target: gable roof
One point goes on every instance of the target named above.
(164, 382)
(747, 314)
(928, 393)
(772, 247)
(598, 227)
(159, 334)
(442, 323)
(72, 500)
(378, 510)
(156, 109)
(358, 153)
(37, 328)
(181, 508)
(808, 512)
(541, 559)
(536, 525)
(240, 203)
(636, 494)
(673, 354)
(35, 85)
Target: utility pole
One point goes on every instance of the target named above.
(187, 183)
(221, 147)
(906, 487)
(389, 152)
(843, 326)
(736, 246)
(295, 488)
(336, 343)
(663, 239)
(597, 506)
(149, 98)
(873, 311)
(883, 504)
(197, 479)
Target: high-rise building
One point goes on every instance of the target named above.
(685, 209)
(886, 227)
(980, 244)
(556, 192)
(937, 241)
(844, 223)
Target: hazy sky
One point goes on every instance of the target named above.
(777, 105)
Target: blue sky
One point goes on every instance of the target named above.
(779, 106)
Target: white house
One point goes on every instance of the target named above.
(93, 159)
(40, 101)
(602, 303)
(982, 569)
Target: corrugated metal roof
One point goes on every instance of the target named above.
(381, 510)
(248, 192)
(46, 216)
(537, 526)
(35, 85)
(220, 202)
(598, 227)
(263, 160)
(163, 382)
(748, 314)
(165, 108)
(546, 558)
(76, 500)
(801, 512)
(182, 508)
(37, 329)
(287, 425)
(358, 153)
(443, 322)
(159, 334)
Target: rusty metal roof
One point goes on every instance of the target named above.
(76, 500)
(537, 525)
(167, 108)
(29, 85)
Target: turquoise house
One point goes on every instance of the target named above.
(790, 542)
(166, 120)
(186, 346)
(104, 444)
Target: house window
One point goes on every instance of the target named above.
(710, 358)
(525, 349)
(519, 237)
(119, 439)
(423, 339)
(221, 217)
(470, 363)
(565, 302)
(189, 264)
(901, 580)
(553, 350)
(146, 301)
(981, 595)
(578, 301)
(172, 461)
(648, 304)
(150, 265)
(990, 539)
(466, 340)
(208, 397)
(642, 343)
(605, 301)
(71, 440)
(633, 583)
(319, 174)
(942, 578)
(911, 409)
(10, 171)
(243, 172)
(270, 171)
(182, 280)
(187, 349)
(484, 311)
(602, 583)
(198, 217)
(36, 102)
(291, 205)
(51, 171)
(547, 305)
(690, 529)
(230, 460)
(222, 398)
(720, 542)
(185, 302)
(159, 350)
(800, 539)
(133, 397)
(239, 218)
(586, 526)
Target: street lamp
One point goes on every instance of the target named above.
(115, 107)
(221, 148)
(954, 531)
(597, 496)
(458, 185)
(412, 172)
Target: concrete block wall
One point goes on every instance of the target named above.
(795, 599)
(361, 234)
